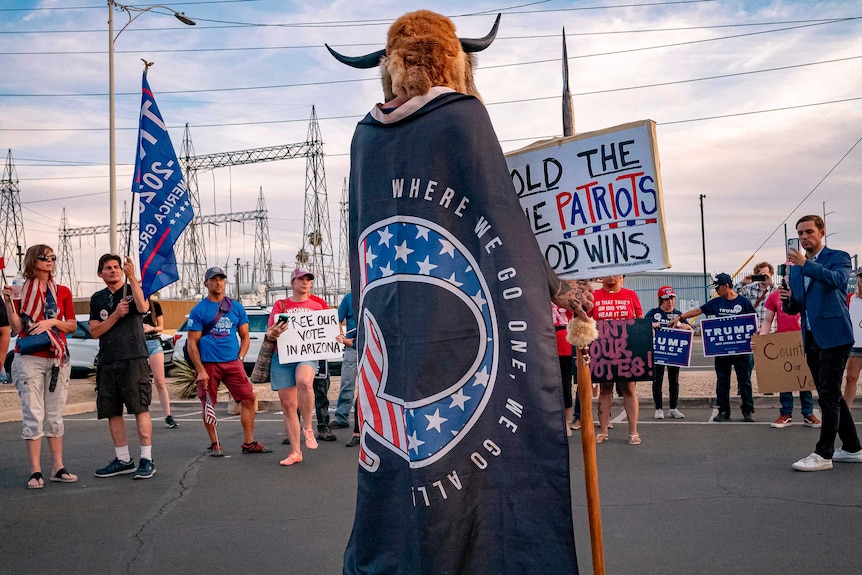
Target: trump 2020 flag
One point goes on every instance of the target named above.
(463, 458)
(165, 209)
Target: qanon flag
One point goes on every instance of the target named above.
(463, 458)
(165, 209)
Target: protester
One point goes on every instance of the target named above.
(785, 322)
(154, 325)
(561, 319)
(727, 304)
(613, 301)
(217, 356)
(346, 391)
(817, 284)
(756, 288)
(123, 372)
(662, 316)
(41, 374)
(293, 381)
(854, 363)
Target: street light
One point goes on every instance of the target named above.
(112, 153)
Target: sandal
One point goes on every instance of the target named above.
(635, 439)
(40, 483)
(601, 437)
(64, 476)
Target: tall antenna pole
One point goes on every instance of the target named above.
(703, 246)
(568, 108)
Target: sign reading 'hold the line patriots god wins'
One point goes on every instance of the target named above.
(594, 201)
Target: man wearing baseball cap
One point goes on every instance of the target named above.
(728, 303)
(218, 357)
(662, 316)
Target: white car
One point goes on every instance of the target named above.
(258, 317)
(83, 349)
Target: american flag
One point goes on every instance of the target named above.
(209, 413)
(409, 249)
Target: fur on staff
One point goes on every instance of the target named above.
(581, 333)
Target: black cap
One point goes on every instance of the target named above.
(722, 280)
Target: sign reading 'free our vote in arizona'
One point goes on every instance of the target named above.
(310, 336)
(594, 201)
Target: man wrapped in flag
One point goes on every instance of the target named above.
(464, 462)
(165, 209)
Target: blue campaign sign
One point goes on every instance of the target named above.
(729, 335)
(672, 347)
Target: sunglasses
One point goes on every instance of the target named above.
(44, 258)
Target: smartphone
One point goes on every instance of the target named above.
(282, 319)
(758, 278)
(783, 269)
(793, 243)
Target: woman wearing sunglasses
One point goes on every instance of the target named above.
(42, 314)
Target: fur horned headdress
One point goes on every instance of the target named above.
(423, 51)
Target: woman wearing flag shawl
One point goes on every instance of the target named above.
(45, 310)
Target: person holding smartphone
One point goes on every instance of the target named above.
(756, 288)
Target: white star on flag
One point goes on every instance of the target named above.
(453, 281)
(426, 266)
(421, 233)
(482, 377)
(478, 299)
(402, 251)
(414, 442)
(386, 270)
(447, 248)
(385, 236)
(370, 257)
(459, 399)
(435, 421)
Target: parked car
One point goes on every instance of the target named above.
(83, 349)
(258, 316)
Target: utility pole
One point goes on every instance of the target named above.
(10, 214)
(703, 245)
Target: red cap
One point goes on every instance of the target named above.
(665, 292)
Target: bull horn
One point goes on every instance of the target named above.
(371, 60)
(478, 44)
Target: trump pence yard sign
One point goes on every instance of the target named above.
(594, 201)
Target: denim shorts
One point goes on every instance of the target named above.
(283, 375)
(42, 410)
(154, 346)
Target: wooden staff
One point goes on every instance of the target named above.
(591, 469)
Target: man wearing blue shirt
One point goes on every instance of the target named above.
(348, 365)
(218, 356)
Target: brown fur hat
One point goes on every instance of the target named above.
(423, 51)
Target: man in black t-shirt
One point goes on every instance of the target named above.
(728, 303)
(124, 374)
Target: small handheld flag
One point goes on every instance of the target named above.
(165, 209)
(209, 413)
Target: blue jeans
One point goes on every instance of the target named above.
(348, 386)
(741, 365)
(806, 398)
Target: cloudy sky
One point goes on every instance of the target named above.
(757, 105)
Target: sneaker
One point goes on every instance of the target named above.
(170, 423)
(847, 456)
(659, 414)
(721, 417)
(812, 462)
(782, 421)
(675, 414)
(145, 470)
(748, 418)
(285, 441)
(310, 441)
(294, 457)
(575, 424)
(326, 434)
(354, 441)
(338, 425)
(811, 421)
(116, 467)
(255, 447)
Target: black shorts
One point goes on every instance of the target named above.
(124, 383)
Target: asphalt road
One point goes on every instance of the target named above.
(694, 497)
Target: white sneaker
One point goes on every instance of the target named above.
(812, 462)
(676, 414)
(846, 456)
(659, 414)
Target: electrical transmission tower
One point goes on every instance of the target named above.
(193, 257)
(65, 262)
(262, 270)
(316, 233)
(14, 241)
(343, 238)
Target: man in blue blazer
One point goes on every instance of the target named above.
(818, 290)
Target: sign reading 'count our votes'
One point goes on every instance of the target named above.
(310, 336)
(594, 200)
